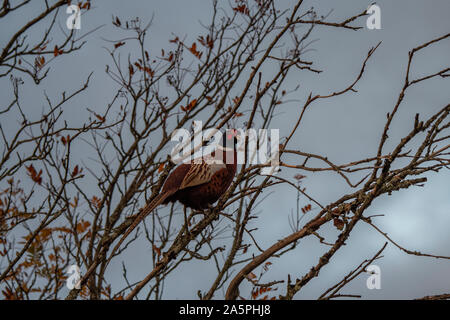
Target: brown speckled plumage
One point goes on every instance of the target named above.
(195, 185)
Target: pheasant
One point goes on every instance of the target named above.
(197, 184)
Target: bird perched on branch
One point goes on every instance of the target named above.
(197, 184)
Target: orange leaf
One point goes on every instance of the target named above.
(338, 223)
(193, 49)
(82, 226)
(242, 9)
(149, 71)
(33, 174)
(192, 104)
(96, 202)
(161, 167)
(99, 117)
(57, 52)
(75, 171)
(118, 44)
(306, 208)
(157, 250)
(65, 140)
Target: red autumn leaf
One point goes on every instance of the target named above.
(65, 140)
(149, 71)
(193, 50)
(119, 44)
(96, 202)
(39, 62)
(138, 66)
(306, 208)
(56, 51)
(33, 174)
(209, 42)
(75, 171)
(82, 226)
(190, 106)
(338, 223)
(161, 167)
(99, 117)
(157, 250)
(242, 9)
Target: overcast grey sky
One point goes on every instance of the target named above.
(417, 218)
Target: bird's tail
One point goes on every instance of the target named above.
(141, 215)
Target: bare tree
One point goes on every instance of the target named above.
(233, 75)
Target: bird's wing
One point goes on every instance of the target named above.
(200, 173)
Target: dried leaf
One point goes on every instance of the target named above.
(99, 117)
(119, 44)
(251, 276)
(338, 223)
(306, 208)
(57, 52)
(242, 9)
(96, 202)
(157, 250)
(33, 174)
(75, 171)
